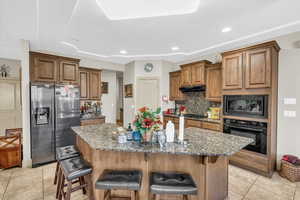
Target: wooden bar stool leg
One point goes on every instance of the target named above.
(136, 194)
(69, 190)
(59, 177)
(61, 188)
(56, 173)
(89, 188)
(82, 182)
(132, 195)
(185, 197)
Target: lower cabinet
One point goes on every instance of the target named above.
(87, 122)
(193, 123)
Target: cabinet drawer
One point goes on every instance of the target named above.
(249, 159)
(211, 126)
(193, 123)
(92, 122)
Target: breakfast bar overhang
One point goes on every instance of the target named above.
(205, 158)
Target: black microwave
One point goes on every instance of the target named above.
(255, 106)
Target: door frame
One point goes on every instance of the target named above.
(140, 78)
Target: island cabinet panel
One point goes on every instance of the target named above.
(214, 83)
(175, 80)
(233, 71)
(258, 68)
(68, 71)
(43, 68)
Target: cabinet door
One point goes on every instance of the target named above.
(186, 79)
(84, 84)
(258, 68)
(233, 71)
(214, 83)
(94, 86)
(44, 68)
(175, 93)
(198, 74)
(68, 72)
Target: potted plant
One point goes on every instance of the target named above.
(147, 121)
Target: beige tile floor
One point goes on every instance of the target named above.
(37, 184)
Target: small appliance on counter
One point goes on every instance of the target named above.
(214, 113)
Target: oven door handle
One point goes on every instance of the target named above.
(247, 128)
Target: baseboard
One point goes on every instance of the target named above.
(27, 163)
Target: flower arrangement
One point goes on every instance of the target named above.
(147, 121)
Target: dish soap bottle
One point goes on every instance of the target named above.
(170, 131)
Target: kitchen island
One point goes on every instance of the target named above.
(204, 158)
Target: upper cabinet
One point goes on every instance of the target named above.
(250, 68)
(68, 71)
(50, 68)
(194, 74)
(90, 83)
(258, 68)
(43, 67)
(175, 80)
(233, 71)
(214, 82)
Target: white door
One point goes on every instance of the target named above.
(10, 105)
(147, 93)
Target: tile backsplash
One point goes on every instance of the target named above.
(196, 103)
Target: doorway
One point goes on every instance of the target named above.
(147, 89)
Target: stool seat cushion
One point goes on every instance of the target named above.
(172, 183)
(66, 152)
(120, 180)
(75, 167)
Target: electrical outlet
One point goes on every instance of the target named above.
(290, 113)
(290, 101)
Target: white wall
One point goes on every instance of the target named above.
(129, 103)
(109, 100)
(288, 139)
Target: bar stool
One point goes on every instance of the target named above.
(74, 170)
(63, 153)
(120, 180)
(172, 183)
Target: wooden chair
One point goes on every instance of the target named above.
(10, 151)
(13, 131)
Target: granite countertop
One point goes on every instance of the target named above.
(92, 116)
(217, 121)
(201, 142)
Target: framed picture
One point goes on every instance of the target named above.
(128, 91)
(104, 87)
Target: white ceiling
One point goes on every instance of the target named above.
(83, 28)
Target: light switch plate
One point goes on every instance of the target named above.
(290, 101)
(290, 113)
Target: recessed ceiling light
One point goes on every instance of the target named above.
(175, 48)
(123, 52)
(226, 29)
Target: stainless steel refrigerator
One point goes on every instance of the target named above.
(54, 109)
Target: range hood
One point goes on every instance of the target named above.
(186, 89)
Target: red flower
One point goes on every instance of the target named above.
(143, 109)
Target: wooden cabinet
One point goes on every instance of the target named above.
(233, 71)
(84, 84)
(175, 79)
(50, 68)
(43, 68)
(258, 68)
(194, 74)
(214, 83)
(87, 122)
(90, 83)
(193, 123)
(198, 73)
(68, 71)
(212, 126)
(186, 79)
(175, 120)
(249, 68)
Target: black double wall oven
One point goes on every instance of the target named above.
(250, 106)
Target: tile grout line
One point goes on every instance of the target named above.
(250, 188)
(9, 179)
